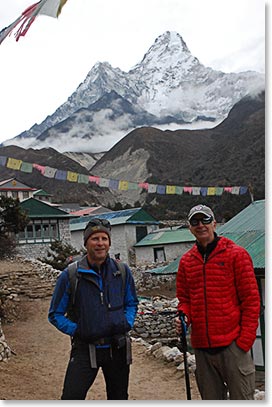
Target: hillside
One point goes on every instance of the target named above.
(90, 194)
(233, 153)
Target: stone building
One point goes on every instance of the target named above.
(47, 224)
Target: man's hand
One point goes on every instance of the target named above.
(178, 324)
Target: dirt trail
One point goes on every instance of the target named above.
(36, 371)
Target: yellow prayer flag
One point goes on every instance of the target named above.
(123, 185)
(170, 189)
(72, 176)
(14, 163)
(211, 191)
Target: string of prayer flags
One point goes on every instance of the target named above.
(121, 185)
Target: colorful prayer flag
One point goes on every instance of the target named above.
(123, 185)
(26, 167)
(61, 175)
(170, 189)
(51, 8)
(83, 179)
(104, 182)
(14, 164)
(49, 172)
(3, 160)
(72, 176)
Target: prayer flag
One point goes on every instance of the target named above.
(72, 176)
(196, 190)
(211, 191)
(132, 185)
(123, 185)
(104, 182)
(93, 178)
(179, 190)
(26, 167)
(161, 189)
(243, 190)
(51, 8)
(14, 163)
(61, 175)
(152, 188)
(49, 172)
(114, 183)
(219, 191)
(170, 189)
(3, 160)
(188, 189)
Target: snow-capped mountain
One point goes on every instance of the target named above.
(167, 89)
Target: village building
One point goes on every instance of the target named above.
(12, 188)
(47, 224)
(163, 245)
(128, 227)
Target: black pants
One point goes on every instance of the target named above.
(80, 376)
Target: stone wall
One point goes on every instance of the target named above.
(155, 320)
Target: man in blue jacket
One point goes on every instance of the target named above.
(98, 317)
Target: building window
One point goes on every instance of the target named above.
(159, 254)
(141, 232)
(14, 194)
(25, 194)
(39, 231)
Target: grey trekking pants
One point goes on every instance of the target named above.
(230, 370)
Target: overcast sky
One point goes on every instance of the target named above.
(42, 69)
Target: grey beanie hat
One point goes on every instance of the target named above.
(97, 225)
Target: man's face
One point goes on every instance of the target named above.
(204, 233)
(98, 246)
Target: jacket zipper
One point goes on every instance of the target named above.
(205, 295)
(101, 286)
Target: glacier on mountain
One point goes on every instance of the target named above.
(169, 88)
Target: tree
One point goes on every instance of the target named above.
(12, 220)
(60, 254)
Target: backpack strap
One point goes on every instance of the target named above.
(122, 268)
(73, 279)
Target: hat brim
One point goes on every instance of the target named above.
(203, 213)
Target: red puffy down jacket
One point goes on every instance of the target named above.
(219, 296)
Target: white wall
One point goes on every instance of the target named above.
(172, 251)
(123, 238)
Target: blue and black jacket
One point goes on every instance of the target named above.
(103, 307)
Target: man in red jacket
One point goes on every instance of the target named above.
(218, 293)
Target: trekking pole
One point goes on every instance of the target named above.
(183, 343)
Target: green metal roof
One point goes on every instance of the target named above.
(171, 268)
(247, 229)
(39, 209)
(135, 216)
(250, 218)
(166, 237)
(253, 242)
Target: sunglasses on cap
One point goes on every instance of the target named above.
(99, 222)
(205, 221)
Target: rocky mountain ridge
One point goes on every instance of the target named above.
(168, 88)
